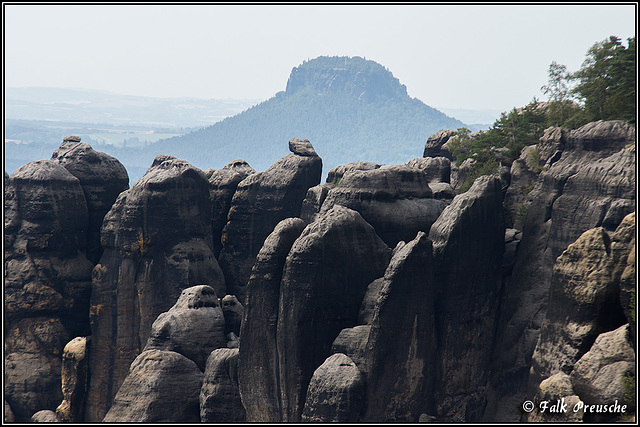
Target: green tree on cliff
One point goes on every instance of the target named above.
(605, 86)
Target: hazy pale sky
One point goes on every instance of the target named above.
(450, 56)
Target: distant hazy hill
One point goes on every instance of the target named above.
(349, 108)
(92, 106)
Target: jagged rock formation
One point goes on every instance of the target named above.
(219, 396)
(259, 203)
(46, 282)
(157, 242)
(223, 184)
(102, 178)
(468, 245)
(463, 320)
(588, 181)
(162, 386)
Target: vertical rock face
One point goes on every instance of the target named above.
(46, 282)
(74, 380)
(583, 299)
(219, 396)
(399, 360)
(102, 178)
(589, 182)
(162, 386)
(325, 277)
(259, 203)
(396, 200)
(468, 244)
(258, 359)
(193, 327)
(157, 242)
(336, 391)
(223, 183)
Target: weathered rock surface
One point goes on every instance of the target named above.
(45, 416)
(599, 376)
(325, 277)
(433, 146)
(223, 184)
(8, 413)
(468, 245)
(583, 301)
(524, 174)
(46, 282)
(157, 242)
(193, 327)
(399, 361)
(162, 386)
(437, 169)
(260, 202)
(336, 391)
(396, 200)
(312, 203)
(258, 370)
(556, 388)
(219, 396)
(233, 312)
(102, 177)
(74, 381)
(335, 175)
(590, 183)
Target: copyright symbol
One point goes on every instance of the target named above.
(528, 406)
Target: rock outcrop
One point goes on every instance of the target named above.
(600, 376)
(260, 202)
(193, 327)
(157, 241)
(324, 280)
(102, 178)
(397, 354)
(219, 396)
(336, 391)
(74, 381)
(588, 182)
(468, 246)
(396, 200)
(258, 370)
(434, 145)
(47, 281)
(583, 299)
(223, 184)
(162, 386)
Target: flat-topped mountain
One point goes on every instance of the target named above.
(351, 108)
